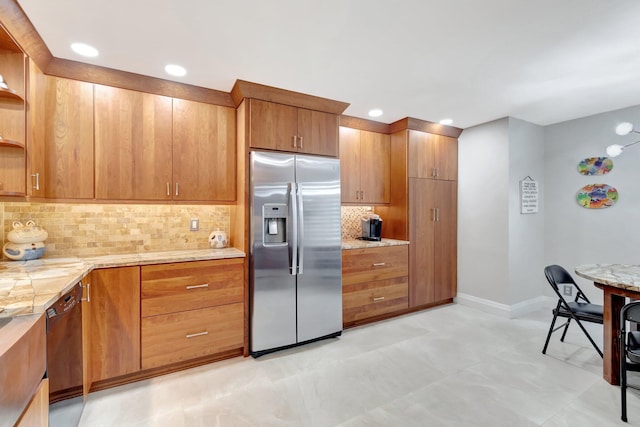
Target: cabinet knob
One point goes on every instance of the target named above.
(295, 141)
(378, 264)
(204, 285)
(37, 177)
(301, 141)
(198, 334)
(377, 298)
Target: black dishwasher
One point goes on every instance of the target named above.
(64, 358)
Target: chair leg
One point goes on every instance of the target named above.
(623, 393)
(593, 343)
(564, 333)
(546, 343)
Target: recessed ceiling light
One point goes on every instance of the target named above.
(376, 112)
(175, 70)
(84, 49)
(446, 121)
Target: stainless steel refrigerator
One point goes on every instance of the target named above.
(295, 250)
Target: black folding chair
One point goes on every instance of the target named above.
(629, 350)
(580, 309)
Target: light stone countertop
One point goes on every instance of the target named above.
(359, 244)
(28, 287)
(623, 276)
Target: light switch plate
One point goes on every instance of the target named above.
(194, 224)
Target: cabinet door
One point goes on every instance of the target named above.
(35, 132)
(204, 152)
(446, 240)
(375, 155)
(317, 133)
(86, 336)
(272, 126)
(349, 165)
(115, 322)
(432, 156)
(433, 236)
(133, 141)
(68, 138)
(421, 251)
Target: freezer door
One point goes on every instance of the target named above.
(320, 256)
(273, 287)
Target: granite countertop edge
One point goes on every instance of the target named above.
(360, 244)
(35, 285)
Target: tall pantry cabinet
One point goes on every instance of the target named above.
(423, 207)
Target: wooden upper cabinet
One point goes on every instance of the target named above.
(133, 142)
(204, 152)
(68, 133)
(364, 166)
(36, 158)
(317, 133)
(285, 128)
(349, 165)
(433, 156)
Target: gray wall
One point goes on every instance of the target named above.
(502, 253)
(574, 235)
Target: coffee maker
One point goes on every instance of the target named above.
(371, 228)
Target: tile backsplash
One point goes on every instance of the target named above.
(351, 226)
(103, 229)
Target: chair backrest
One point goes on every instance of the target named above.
(630, 312)
(557, 275)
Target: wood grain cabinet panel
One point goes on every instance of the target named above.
(433, 275)
(37, 412)
(374, 282)
(133, 143)
(68, 136)
(365, 165)
(204, 152)
(185, 335)
(170, 288)
(433, 156)
(115, 322)
(281, 127)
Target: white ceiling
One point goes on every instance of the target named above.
(544, 61)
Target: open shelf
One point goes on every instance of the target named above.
(10, 143)
(10, 94)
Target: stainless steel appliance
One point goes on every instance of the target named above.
(295, 250)
(372, 228)
(64, 359)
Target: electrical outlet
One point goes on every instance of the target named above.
(567, 290)
(194, 224)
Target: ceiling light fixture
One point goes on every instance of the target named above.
(175, 70)
(624, 128)
(446, 121)
(376, 112)
(84, 50)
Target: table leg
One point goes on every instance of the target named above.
(611, 330)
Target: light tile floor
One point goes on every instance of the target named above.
(449, 366)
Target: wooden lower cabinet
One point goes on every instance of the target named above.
(185, 335)
(374, 283)
(37, 412)
(114, 322)
(191, 310)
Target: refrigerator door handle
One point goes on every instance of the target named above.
(294, 228)
(300, 230)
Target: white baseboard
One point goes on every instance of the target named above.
(504, 310)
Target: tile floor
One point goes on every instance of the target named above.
(450, 366)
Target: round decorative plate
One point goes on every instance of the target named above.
(595, 166)
(597, 196)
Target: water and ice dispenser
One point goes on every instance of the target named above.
(274, 227)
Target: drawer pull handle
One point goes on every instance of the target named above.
(199, 334)
(379, 264)
(204, 285)
(377, 298)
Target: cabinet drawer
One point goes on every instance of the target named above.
(178, 337)
(364, 300)
(371, 264)
(169, 288)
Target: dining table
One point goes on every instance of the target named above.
(618, 282)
